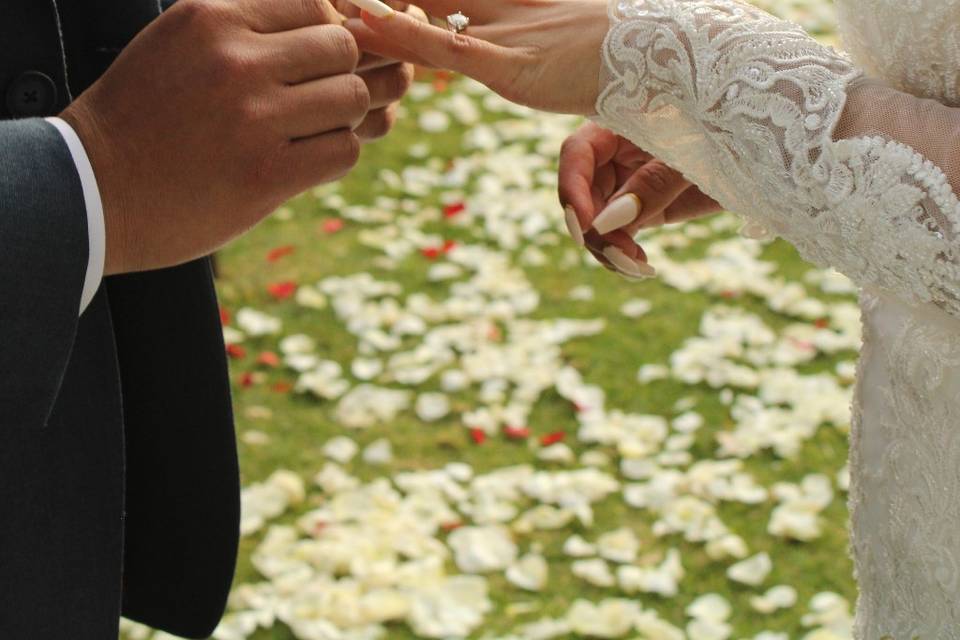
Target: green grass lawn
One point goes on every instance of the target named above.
(281, 428)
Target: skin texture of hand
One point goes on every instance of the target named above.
(608, 182)
(215, 114)
(541, 53)
(386, 78)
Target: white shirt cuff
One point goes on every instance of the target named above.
(97, 239)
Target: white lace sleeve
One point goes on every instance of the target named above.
(775, 126)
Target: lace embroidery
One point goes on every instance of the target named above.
(905, 479)
(745, 105)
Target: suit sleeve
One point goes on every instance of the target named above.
(43, 264)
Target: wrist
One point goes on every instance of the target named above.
(103, 159)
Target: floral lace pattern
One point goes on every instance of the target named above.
(745, 105)
(905, 479)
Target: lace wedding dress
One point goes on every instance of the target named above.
(855, 159)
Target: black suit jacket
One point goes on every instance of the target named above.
(119, 487)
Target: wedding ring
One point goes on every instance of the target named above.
(457, 22)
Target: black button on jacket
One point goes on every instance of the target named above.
(118, 469)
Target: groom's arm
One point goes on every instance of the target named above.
(44, 256)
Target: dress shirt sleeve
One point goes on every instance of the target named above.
(94, 205)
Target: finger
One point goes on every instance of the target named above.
(580, 156)
(388, 84)
(313, 52)
(312, 108)
(460, 52)
(645, 194)
(692, 203)
(374, 45)
(377, 123)
(625, 255)
(323, 158)
(284, 15)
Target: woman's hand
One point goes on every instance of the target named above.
(541, 53)
(610, 189)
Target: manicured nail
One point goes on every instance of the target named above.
(374, 7)
(573, 224)
(618, 213)
(628, 266)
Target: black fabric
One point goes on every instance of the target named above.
(128, 494)
(183, 507)
(43, 259)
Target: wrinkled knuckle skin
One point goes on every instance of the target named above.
(357, 95)
(314, 9)
(344, 46)
(401, 80)
(460, 45)
(658, 177)
(204, 15)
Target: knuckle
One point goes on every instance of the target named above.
(202, 14)
(314, 9)
(401, 80)
(460, 45)
(343, 45)
(659, 177)
(231, 61)
(357, 94)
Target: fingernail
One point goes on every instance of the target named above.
(618, 213)
(573, 225)
(628, 266)
(374, 7)
(754, 230)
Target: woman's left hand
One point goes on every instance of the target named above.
(541, 53)
(610, 189)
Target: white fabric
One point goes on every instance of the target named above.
(860, 175)
(96, 233)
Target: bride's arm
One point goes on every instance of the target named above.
(778, 127)
(759, 115)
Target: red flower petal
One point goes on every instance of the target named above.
(224, 316)
(275, 254)
(282, 290)
(430, 253)
(552, 438)
(332, 225)
(517, 433)
(282, 387)
(822, 323)
(236, 351)
(478, 435)
(246, 379)
(269, 359)
(449, 245)
(453, 209)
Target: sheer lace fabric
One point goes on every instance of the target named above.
(859, 174)
(747, 106)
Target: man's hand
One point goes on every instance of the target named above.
(214, 115)
(387, 79)
(610, 189)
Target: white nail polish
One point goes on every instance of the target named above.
(618, 213)
(573, 225)
(628, 266)
(374, 7)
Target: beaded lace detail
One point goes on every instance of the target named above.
(745, 105)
